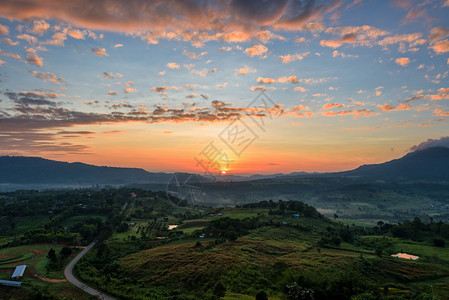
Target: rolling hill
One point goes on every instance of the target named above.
(36, 170)
(428, 164)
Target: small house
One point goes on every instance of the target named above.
(18, 272)
(10, 283)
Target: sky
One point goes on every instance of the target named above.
(223, 86)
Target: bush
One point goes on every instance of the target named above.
(439, 242)
(261, 296)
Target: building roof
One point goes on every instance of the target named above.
(18, 272)
(10, 283)
(405, 256)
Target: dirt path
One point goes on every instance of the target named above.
(50, 280)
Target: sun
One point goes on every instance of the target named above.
(223, 172)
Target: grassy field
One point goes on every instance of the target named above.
(80, 219)
(36, 276)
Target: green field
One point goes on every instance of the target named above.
(36, 276)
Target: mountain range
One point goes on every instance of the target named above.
(430, 164)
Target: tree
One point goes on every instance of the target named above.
(261, 296)
(66, 251)
(52, 255)
(379, 251)
(438, 242)
(219, 290)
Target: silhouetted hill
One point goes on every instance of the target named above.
(35, 170)
(431, 164)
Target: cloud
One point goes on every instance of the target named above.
(358, 35)
(173, 65)
(129, 90)
(118, 45)
(285, 59)
(47, 76)
(259, 88)
(222, 85)
(412, 39)
(290, 79)
(414, 14)
(355, 113)
(441, 142)
(29, 38)
(107, 75)
(112, 93)
(441, 112)
(204, 72)
(201, 21)
(299, 89)
(40, 27)
(29, 98)
(13, 55)
(33, 58)
(4, 30)
(91, 102)
(256, 50)
(332, 105)
(9, 42)
(1, 62)
(437, 34)
(343, 55)
(100, 51)
(389, 107)
(245, 70)
(402, 61)
(76, 34)
(193, 55)
(441, 47)
(57, 39)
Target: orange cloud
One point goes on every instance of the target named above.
(332, 105)
(173, 65)
(356, 113)
(438, 33)
(290, 79)
(402, 61)
(245, 70)
(441, 47)
(299, 89)
(33, 58)
(76, 34)
(4, 30)
(359, 35)
(29, 38)
(389, 107)
(441, 113)
(229, 21)
(47, 76)
(256, 50)
(100, 51)
(285, 59)
(40, 27)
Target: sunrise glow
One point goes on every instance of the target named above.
(326, 86)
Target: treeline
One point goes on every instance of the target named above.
(415, 230)
(283, 207)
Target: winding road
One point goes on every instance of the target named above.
(70, 278)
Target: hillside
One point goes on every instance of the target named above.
(427, 164)
(35, 170)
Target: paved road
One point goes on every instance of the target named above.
(70, 278)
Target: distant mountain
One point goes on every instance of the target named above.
(431, 163)
(36, 170)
